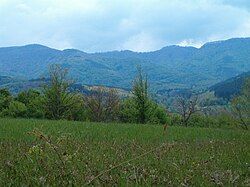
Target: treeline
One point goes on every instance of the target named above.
(235, 114)
(56, 101)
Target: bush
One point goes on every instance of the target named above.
(78, 111)
(128, 113)
(34, 103)
(175, 119)
(200, 120)
(226, 120)
(5, 99)
(16, 109)
(222, 120)
(35, 108)
(154, 114)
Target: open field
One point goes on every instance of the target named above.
(40, 152)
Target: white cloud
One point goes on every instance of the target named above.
(141, 25)
(191, 42)
(142, 42)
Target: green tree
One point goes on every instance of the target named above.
(5, 99)
(140, 96)
(26, 96)
(140, 108)
(156, 114)
(17, 109)
(33, 100)
(241, 105)
(129, 112)
(78, 111)
(58, 100)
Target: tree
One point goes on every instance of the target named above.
(5, 99)
(186, 108)
(129, 112)
(78, 110)
(140, 108)
(17, 109)
(103, 105)
(241, 105)
(58, 100)
(112, 105)
(33, 100)
(156, 114)
(140, 96)
(26, 96)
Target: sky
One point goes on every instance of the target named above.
(105, 25)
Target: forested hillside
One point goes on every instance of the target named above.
(168, 68)
(231, 87)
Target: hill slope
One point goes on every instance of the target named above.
(230, 87)
(168, 68)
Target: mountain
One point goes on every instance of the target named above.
(16, 85)
(230, 87)
(172, 67)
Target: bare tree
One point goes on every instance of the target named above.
(103, 105)
(186, 108)
(112, 105)
(95, 106)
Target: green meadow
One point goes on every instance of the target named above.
(63, 153)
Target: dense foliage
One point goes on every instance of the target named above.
(241, 106)
(58, 101)
(231, 87)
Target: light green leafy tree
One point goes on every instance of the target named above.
(140, 108)
(5, 99)
(241, 105)
(58, 100)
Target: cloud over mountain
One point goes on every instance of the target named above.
(96, 25)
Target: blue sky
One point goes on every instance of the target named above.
(138, 25)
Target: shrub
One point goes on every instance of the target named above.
(35, 108)
(154, 114)
(175, 119)
(33, 100)
(5, 99)
(16, 109)
(78, 111)
(128, 113)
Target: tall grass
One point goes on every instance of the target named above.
(41, 152)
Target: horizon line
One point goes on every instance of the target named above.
(125, 50)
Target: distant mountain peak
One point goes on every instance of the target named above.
(36, 45)
(231, 40)
(74, 51)
(173, 47)
(170, 67)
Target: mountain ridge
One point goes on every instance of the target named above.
(169, 67)
(167, 46)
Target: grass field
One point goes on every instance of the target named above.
(61, 153)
